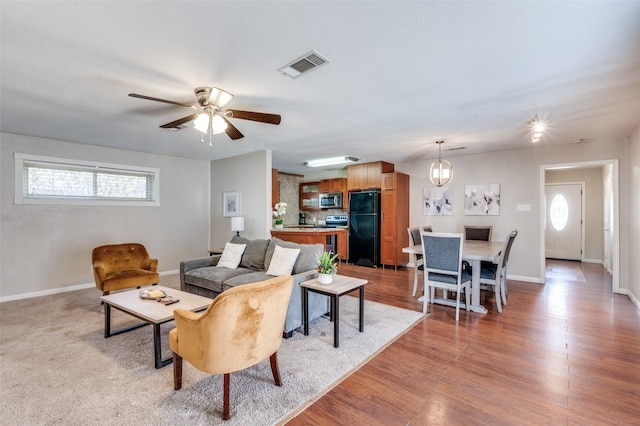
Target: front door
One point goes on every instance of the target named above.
(563, 233)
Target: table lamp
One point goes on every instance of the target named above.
(237, 224)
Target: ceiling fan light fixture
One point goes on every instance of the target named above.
(218, 124)
(202, 123)
(219, 97)
(331, 161)
(441, 171)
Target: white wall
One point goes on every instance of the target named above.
(633, 247)
(251, 175)
(518, 173)
(45, 248)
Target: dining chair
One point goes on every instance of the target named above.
(415, 240)
(495, 274)
(478, 233)
(442, 256)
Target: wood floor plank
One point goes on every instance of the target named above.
(564, 353)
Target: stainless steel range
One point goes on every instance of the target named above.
(337, 221)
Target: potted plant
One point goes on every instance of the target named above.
(327, 267)
(280, 210)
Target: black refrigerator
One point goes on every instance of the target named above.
(364, 228)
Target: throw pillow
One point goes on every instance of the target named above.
(231, 255)
(282, 261)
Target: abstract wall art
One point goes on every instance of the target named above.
(482, 200)
(437, 201)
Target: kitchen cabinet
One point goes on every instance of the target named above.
(367, 175)
(394, 218)
(310, 196)
(335, 185)
(315, 236)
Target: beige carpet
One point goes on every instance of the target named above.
(56, 368)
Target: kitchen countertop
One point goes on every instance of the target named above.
(309, 228)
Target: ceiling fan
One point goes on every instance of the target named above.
(212, 119)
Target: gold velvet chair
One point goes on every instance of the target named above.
(120, 266)
(242, 327)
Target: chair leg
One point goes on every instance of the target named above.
(458, 305)
(498, 295)
(467, 298)
(503, 291)
(273, 359)
(415, 280)
(177, 371)
(227, 385)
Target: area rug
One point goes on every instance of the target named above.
(58, 369)
(567, 273)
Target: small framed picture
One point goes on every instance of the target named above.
(231, 203)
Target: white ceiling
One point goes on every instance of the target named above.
(402, 74)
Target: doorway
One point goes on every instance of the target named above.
(610, 223)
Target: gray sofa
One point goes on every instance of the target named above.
(203, 277)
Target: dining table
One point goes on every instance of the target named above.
(474, 252)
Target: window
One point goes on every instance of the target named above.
(559, 212)
(49, 180)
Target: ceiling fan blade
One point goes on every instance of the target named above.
(149, 98)
(179, 121)
(231, 130)
(255, 116)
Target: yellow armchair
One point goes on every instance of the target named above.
(242, 327)
(120, 266)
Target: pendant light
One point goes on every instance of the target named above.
(441, 170)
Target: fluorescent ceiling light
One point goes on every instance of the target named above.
(331, 161)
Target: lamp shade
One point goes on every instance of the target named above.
(237, 223)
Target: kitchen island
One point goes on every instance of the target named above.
(333, 239)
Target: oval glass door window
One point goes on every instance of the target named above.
(559, 212)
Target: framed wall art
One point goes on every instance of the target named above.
(482, 200)
(437, 201)
(231, 203)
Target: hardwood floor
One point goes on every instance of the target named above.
(566, 353)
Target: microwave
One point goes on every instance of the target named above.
(331, 200)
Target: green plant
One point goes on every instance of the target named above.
(327, 263)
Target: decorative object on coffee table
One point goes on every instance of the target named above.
(280, 210)
(327, 267)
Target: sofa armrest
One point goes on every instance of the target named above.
(203, 262)
(304, 276)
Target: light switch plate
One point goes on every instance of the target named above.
(523, 208)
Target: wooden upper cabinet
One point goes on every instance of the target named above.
(324, 185)
(367, 175)
(309, 196)
(394, 218)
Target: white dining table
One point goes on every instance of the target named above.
(473, 252)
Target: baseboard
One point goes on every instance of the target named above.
(633, 299)
(62, 289)
(598, 261)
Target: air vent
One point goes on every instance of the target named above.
(305, 63)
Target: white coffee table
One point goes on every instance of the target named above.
(150, 311)
(341, 285)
